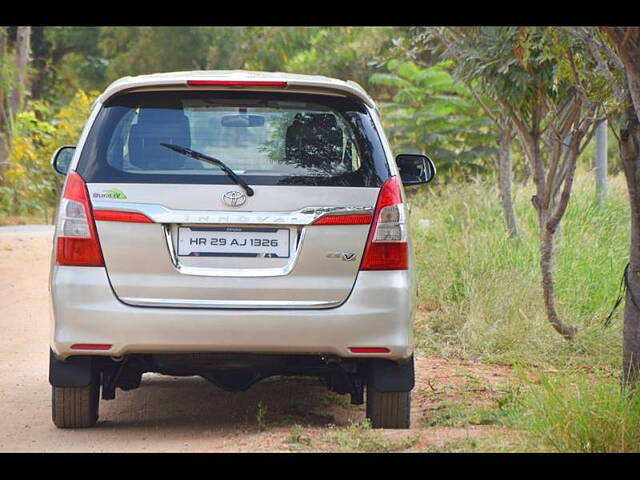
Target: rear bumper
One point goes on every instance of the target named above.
(378, 313)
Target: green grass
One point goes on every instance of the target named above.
(462, 414)
(298, 438)
(469, 408)
(485, 287)
(360, 437)
(261, 414)
(579, 413)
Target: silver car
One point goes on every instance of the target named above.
(233, 225)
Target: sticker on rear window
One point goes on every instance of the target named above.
(114, 193)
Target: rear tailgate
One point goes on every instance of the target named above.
(146, 265)
(208, 243)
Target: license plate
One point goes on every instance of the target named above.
(233, 242)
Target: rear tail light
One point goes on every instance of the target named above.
(78, 242)
(387, 243)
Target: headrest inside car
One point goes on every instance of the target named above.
(155, 126)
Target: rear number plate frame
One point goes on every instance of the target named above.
(251, 242)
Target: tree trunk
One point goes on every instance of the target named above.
(627, 43)
(505, 182)
(630, 153)
(601, 162)
(550, 223)
(4, 155)
(548, 226)
(547, 234)
(4, 144)
(553, 183)
(632, 74)
(23, 52)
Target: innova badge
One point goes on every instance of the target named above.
(234, 198)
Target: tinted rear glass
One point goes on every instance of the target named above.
(266, 138)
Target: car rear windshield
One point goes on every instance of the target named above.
(265, 138)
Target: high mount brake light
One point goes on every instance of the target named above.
(387, 247)
(78, 243)
(236, 83)
(90, 346)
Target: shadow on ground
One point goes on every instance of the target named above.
(179, 402)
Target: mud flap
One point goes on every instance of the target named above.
(389, 376)
(73, 372)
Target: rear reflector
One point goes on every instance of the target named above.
(236, 83)
(369, 350)
(90, 346)
(345, 220)
(113, 216)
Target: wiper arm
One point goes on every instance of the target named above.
(206, 158)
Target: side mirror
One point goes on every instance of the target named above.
(61, 159)
(415, 169)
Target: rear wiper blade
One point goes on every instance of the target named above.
(206, 158)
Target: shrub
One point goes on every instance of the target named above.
(31, 185)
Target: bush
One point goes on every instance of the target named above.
(31, 185)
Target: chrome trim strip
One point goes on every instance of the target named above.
(161, 214)
(230, 272)
(180, 303)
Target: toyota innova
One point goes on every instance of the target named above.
(233, 225)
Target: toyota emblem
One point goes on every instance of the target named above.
(234, 198)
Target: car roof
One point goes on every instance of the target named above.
(294, 82)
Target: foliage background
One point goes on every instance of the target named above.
(69, 62)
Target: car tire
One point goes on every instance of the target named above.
(75, 407)
(388, 409)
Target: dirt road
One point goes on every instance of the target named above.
(190, 414)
